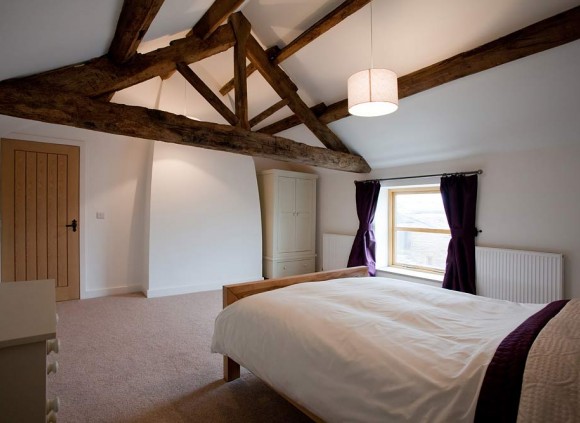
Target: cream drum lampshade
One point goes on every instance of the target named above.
(373, 92)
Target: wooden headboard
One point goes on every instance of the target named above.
(235, 292)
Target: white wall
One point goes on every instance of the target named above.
(205, 228)
(113, 170)
(527, 200)
(204, 213)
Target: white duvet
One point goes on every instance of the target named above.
(370, 349)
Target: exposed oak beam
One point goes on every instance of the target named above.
(101, 76)
(134, 21)
(105, 97)
(340, 13)
(334, 111)
(250, 69)
(268, 112)
(290, 121)
(242, 29)
(81, 112)
(217, 14)
(284, 87)
(206, 93)
(549, 33)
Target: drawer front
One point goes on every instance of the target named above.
(294, 267)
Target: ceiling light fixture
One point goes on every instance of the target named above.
(372, 92)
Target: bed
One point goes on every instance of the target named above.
(345, 347)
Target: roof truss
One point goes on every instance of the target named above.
(82, 90)
(89, 85)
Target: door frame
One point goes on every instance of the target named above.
(82, 190)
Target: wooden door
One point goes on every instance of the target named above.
(40, 197)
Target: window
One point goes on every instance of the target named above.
(418, 232)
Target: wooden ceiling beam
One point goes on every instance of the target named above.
(290, 121)
(134, 21)
(101, 76)
(544, 35)
(284, 87)
(242, 29)
(81, 112)
(549, 33)
(206, 92)
(250, 69)
(217, 14)
(336, 16)
(268, 112)
(340, 13)
(334, 112)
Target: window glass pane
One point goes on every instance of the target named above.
(420, 211)
(421, 249)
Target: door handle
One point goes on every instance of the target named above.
(73, 225)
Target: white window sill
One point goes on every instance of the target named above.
(416, 276)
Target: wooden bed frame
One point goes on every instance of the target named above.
(236, 292)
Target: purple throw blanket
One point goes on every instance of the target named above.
(499, 396)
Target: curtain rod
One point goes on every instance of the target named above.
(472, 172)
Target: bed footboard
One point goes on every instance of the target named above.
(235, 292)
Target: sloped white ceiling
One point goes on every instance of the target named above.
(529, 103)
(524, 104)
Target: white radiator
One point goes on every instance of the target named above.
(335, 251)
(521, 276)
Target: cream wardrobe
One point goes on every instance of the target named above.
(288, 203)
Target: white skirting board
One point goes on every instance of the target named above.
(105, 292)
(199, 287)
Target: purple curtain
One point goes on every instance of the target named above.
(459, 194)
(363, 247)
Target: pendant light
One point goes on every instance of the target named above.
(372, 92)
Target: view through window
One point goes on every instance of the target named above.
(418, 231)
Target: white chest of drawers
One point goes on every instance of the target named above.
(27, 322)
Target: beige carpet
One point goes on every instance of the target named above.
(132, 359)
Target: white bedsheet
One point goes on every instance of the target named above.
(370, 349)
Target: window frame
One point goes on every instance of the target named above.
(392, 230)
